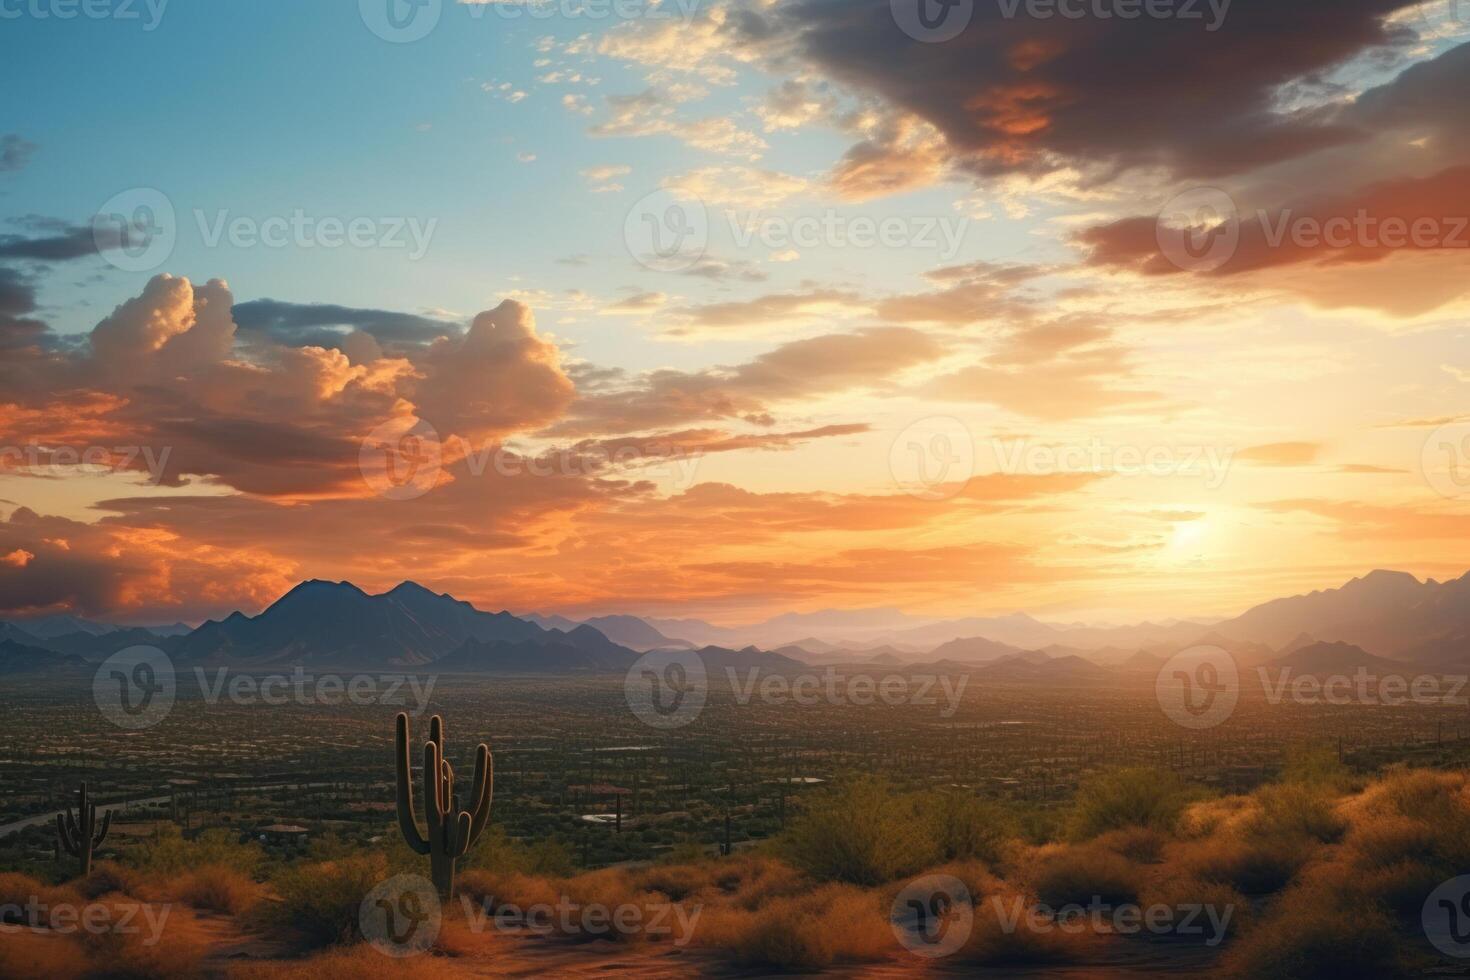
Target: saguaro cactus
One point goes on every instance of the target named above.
(79, 834)
(451, 832)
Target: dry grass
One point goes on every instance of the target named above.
(1251, 865)
(1143, 845)
(323, 899)
(216, 888)
(1316, 934)
(175, 952)
(1003, 935)
(1296, 811)
(29, 954)
(1078, 875)
(832, 924)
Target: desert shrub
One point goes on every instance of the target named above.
(108, 878)
(1382, 840)
(677, 882)
(215, 888)
(860, 832)
(173, 854)
(169, 947)
(751, 880)
(1206, 817)
(1138, 797)
(1003, 934)
(964, 828)
(1079, 875)
(832, 924)
(1232, 910)
(1316, 934)
(1255, 866)
(18, 890)
(323, 899)
(1317, 766)
(1142, 844)
(1294, 811)
(548, 857)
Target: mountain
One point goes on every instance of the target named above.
(1386, 613)
(1334, 658)
(50, 627)
(722, 658)
(18, 658)
(634, 633)
(336, 624)
(14, 634)
(973, 649)
(100, 646)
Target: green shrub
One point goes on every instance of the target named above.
(1121, 798)
(323, 899)
(859, 831)
(966, 828)
(172, 854)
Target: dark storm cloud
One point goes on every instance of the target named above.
(1025, 93)
(325, 324)
(15, 153)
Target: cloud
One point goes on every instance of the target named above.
(1281, 454)
(15, 153)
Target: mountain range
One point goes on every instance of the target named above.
(1383, 618)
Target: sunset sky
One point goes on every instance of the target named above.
(1022, 395)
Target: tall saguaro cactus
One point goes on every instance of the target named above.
(451, 832)
(79, 834)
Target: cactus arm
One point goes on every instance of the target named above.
(434, 794)
(407, 822)
(461, 835)
(102, 833)
(72, 830)
(436, 732)
(67, 843)
(483, 791)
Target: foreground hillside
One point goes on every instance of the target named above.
(1318, 874)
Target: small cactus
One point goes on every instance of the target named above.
(451, 832)
(79, 835)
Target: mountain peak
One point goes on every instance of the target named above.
(412, 588)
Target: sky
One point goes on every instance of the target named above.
(728, 308)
